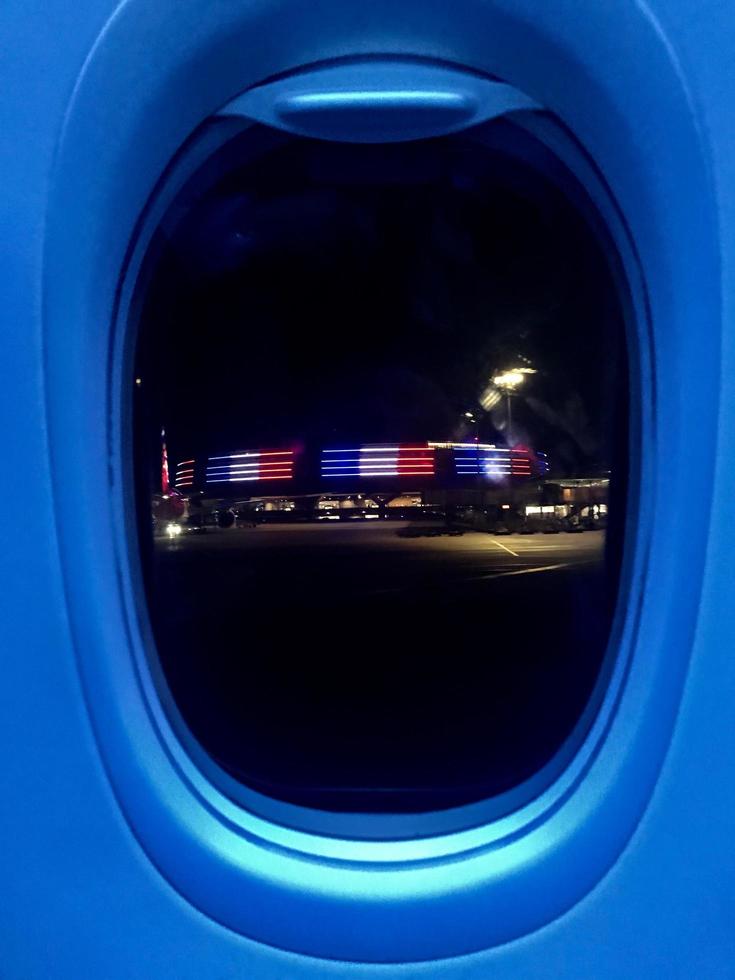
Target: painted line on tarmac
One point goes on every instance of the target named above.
(500, 545)
(452, 581)
(523, 571)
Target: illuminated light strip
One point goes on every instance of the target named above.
(234, 479)
(368, 449)
(250, 469)
(250, 466)
(248, 479)
(236, 456)
(381, 473)
(393, 450)
(247, 466)
(371, 466)
(381, 466)
(339, 476)
(368, 461)
(261, 465)
(375, 462)
(257, 472)
(186, 462)
(253, 455)
(373, 471)
(248, 476)
(477, 459)
(467, 445)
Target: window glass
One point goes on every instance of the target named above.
(380, 414)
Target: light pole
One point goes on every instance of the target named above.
(508, 382)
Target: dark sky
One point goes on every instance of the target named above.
(326, 294)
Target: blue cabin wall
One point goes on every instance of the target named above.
(81, 897)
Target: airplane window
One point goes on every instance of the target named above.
(381, 437)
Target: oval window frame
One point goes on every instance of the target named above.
(199, 151)
(377, 904)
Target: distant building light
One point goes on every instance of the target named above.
(369, 461)
(260, 465)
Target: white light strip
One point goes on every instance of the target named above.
(467, 445)
(366, 449)
(253, 455)
(366, 467)
(259, 475)
(251, 479)
(250, 466)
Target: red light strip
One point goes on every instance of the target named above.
(415, 461)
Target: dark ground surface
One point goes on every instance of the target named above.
(319, 661)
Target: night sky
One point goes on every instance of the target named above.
(324, 294)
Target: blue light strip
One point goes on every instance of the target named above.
(492, 461)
